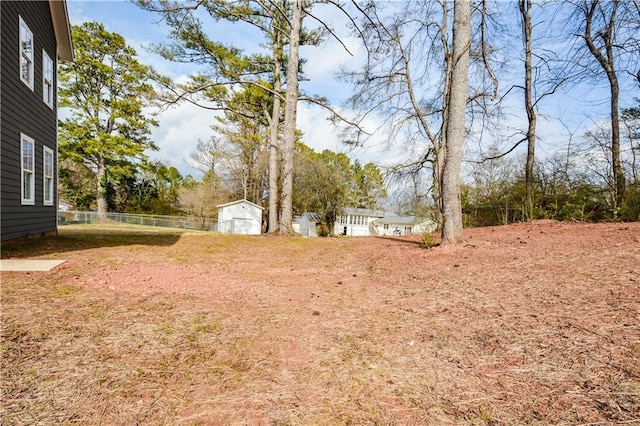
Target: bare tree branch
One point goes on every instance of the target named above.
(330, 31)
(484, 48)
(495, 157)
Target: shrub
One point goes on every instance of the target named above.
(630, 208)
(428, 241)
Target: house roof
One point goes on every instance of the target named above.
(399, 220)
(367, 212)
(62, 28)
(238, 202)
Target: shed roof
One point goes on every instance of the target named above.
(238, 202)
(62, 28)
(311, 217)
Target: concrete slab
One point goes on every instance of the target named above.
(28, 265)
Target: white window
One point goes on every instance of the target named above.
(48, 176)
(386, 226)
(47, 79)
(28, 169)
(26, 54)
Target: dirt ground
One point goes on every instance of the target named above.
(533, 323)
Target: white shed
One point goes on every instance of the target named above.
(308, 224)
(240, 217)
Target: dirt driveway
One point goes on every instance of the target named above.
(523, 324)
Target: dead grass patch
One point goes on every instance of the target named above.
(526, 324)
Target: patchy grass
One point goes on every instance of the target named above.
(526, 324)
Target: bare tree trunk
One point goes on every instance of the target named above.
(290, 115)
(274, 124)
(608, 65)
(245, 183)
(525, 10)
(452, 205)
(102, 204)
(440, 147)
(615, 140)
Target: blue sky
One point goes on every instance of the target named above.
(182, 126)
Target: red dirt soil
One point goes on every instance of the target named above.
(535, 323)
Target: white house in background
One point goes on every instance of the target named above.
(423, 225)
(64, 206)
(402, 225)
(364, 222)
(357, 222)
(240, 217)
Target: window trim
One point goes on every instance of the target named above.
(48, 87)
(32, 179)
(47, 185)
(31, 60)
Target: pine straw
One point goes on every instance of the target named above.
(528, 324)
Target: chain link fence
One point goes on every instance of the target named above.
(178, 222)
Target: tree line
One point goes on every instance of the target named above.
(104, 146)
(431, 79)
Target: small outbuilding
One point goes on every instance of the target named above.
(309, 222)
(240, 217)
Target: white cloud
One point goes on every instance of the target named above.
(318, 131)
(181, 126)
(178, 132)
(321, 134)
(323, 61)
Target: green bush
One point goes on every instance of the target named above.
(630, 208)
(323, 230)
(428, 241)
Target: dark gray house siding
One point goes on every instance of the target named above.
(23, 110)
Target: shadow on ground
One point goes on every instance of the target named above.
(88, 237)
(405, 240)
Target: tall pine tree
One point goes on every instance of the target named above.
(105, 90)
